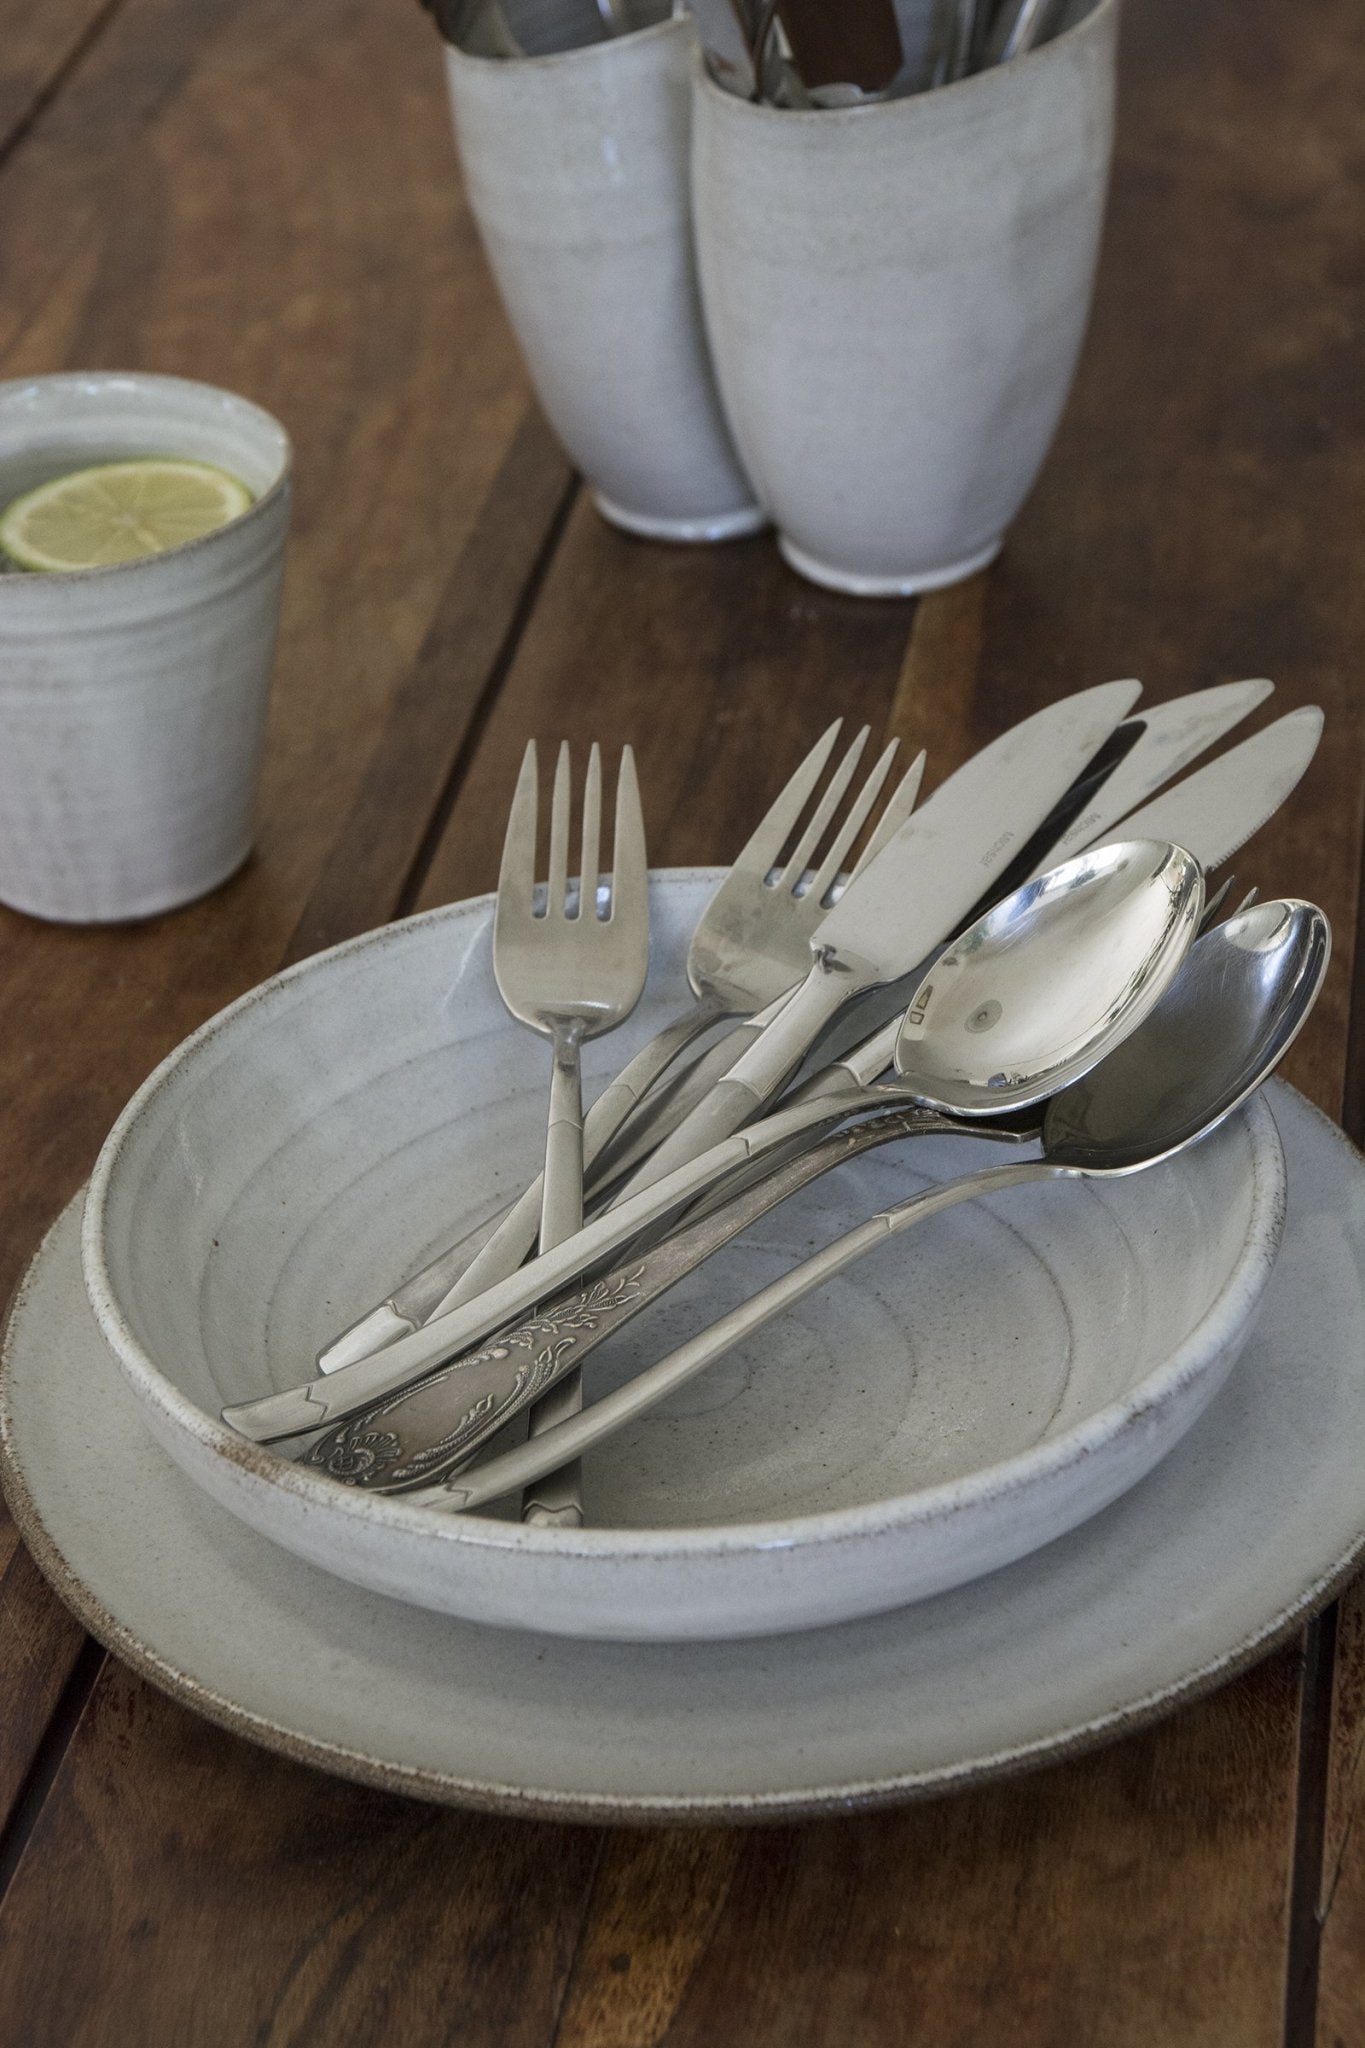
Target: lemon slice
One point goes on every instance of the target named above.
(119, 512)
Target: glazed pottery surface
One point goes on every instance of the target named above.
(953, 1401)
(1247, 1527)
(576, 167)
(896, 296)
(133, 699)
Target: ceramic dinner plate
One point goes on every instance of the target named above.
(1249, 1525)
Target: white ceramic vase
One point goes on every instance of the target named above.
(896, 296)
(577, 171)
(133, 698)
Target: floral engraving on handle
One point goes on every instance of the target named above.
(359, 1454)
(357, 1451)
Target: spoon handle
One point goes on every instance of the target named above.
(416, 1437)
(517, 1468)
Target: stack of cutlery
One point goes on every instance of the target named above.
(800, 972)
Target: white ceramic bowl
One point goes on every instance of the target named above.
(951, 1403)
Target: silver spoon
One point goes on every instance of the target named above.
(1224, 1025)
(1031, 996)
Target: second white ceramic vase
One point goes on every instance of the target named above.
(896, 296)
(576, 166)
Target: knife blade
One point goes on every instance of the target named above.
(908, 900)
(1210, 813)
(1216, 810)
(1174, 734)
(1150, 747)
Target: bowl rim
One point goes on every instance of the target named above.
(259, 1466)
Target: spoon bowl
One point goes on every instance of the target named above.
(1046, 984)
(1230, 1017)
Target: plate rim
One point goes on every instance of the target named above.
(603, 1808)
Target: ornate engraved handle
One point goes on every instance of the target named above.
(414, 1437)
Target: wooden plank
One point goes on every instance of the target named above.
(277, 263)
(192, 1889)
(1338, 1894)
(400, 803)
(1002, 1917)
(40, 43)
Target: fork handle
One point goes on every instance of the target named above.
(769, 1061)
(515, 1236)
(561, 1210)
(556, 1498)
(659, 1117)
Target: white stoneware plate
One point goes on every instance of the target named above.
(957, 1398)
(1250, 1524)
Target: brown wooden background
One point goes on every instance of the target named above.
(263, 193)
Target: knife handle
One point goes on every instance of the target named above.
(314, 1403)
(420, 1432)
(659, 1116)
(759, 1073)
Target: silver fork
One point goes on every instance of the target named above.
(750, 946)
(746, 950)
(570, 971)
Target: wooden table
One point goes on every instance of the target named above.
(263, 193)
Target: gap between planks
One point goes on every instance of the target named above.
(44, 88)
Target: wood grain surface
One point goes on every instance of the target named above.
(263, 193)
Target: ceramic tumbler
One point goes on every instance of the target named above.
(576, 166)
(133, 698)
(896, 296)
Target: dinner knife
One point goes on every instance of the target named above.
(913, 895)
